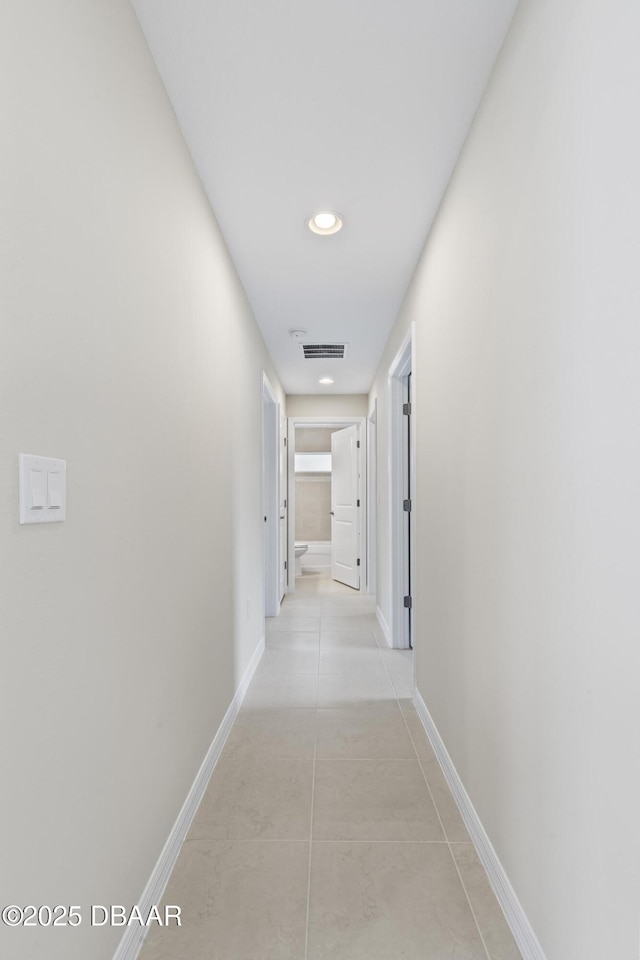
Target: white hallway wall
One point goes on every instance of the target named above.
(526, 303)
(333, 405)
(128, 348)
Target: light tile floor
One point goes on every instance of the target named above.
(328, 829)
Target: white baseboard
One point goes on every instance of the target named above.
(131, 943)
(386, 631)
(517, 919)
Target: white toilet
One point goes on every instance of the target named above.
(301, 549)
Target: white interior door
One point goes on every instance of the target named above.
(345, 526)
(283, 506)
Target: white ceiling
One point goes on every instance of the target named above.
(292, 106)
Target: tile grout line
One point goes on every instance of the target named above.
(313, 788)
(445, 841)
(473, 913)
(418, 758)
(448, 842)
(446, 835)
(313, 785)
(302, 840)
(415, 749)
(435, 807)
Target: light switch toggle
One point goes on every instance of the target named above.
(36, 490)
(54, 489)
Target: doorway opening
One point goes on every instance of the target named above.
(272, 560)
(372, 499)
(407, 458)
(402, 496)
(327, 500)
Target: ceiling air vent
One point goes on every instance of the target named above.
(324, 351)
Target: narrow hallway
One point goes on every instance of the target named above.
(327, 829)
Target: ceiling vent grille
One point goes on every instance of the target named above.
(324, 351)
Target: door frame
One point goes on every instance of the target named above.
(402, 364)
(372, 499)
(337, 423)
(283, 469)
(270, 498)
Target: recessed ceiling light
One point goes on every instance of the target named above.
(325, 380)
(325, 223)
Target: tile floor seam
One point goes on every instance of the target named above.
(435, 806)
(433, 801)
(247, 840)
(449, 843)
(313, 786)
(338, 840)
(404, 719)
(315, 750)
(462, 884)
(367, 759)
(466, 893)
(302, 840)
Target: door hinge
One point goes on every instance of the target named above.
(265, 519)
(358, 562)
(406, 409)
(285, 564)
(357, 443)
(408, 602)
(406, 506)
(285, 441)
(285, 504)
(357, 503)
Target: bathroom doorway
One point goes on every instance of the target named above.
(327, 509)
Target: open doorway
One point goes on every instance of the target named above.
(402, 500)
(407, 504)
(272, 538)
(372, 499)
(327, 500)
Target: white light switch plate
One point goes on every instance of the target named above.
(43, 489)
